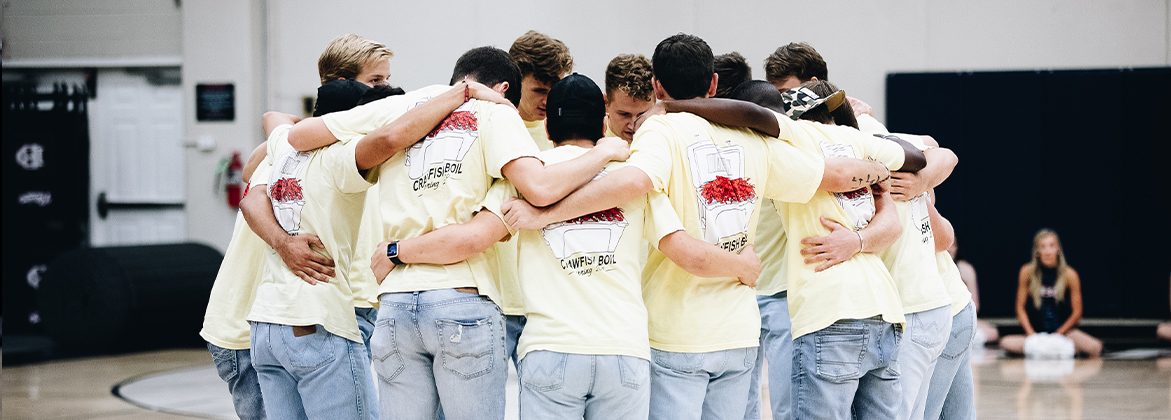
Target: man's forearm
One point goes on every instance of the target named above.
(913, 158)
(309, 134)
(941, 229)
(453, 243)
(612, 190)
(884, 228)
(382, 143)
(846, 174)
(697, 257)
(544, 185)
(729, 112)
(257, 209)
(940, 163)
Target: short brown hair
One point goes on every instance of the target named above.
(344, 57)
(630, 73)
(733, 70)
(538, 55)
(796, 59)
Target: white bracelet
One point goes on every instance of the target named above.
(861, 245)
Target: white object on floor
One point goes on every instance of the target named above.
(1048, 346)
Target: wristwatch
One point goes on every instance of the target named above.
(392, 253)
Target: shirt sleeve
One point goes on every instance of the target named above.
(262, 172)
(660, 219)
(504, 137)
(794, 173)
(500, 192)
(882, 150)
(356, 122)
(340, 161)
(651, 152)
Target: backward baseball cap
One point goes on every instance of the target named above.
(799, 100)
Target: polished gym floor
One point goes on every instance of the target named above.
(182, 384)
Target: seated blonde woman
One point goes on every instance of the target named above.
(1049, 299)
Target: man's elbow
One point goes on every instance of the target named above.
(542, 197)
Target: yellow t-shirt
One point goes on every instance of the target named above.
(582, 289)
(504, 253)
(440, 181)
(770, 246)
(540, 136)
(224, 323)
(956, 289)
(860, 287)
(714, 177)
(362, 281)
(911, 259)
(869, 125)
(319, 192)
(356, 122)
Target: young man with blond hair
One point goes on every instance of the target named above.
(629, 93)
(350, 56)
(225, 328)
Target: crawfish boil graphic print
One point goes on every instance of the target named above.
(586, 244)
(440, 155)
(858, 204)
(284, 188)
(725, 197)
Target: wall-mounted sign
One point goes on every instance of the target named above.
(215, 102)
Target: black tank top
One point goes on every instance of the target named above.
(1051, 315)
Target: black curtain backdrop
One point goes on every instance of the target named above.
(1084, 152)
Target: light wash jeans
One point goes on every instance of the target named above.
(575, 386)
(235, 368)
(320, 375)
(928, 331)
(707, 386)
(513, 326)
(852, 362)
(439, 350)
(776, 343)
(952, 394)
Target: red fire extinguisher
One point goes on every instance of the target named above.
(235, 180)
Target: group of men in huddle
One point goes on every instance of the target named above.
(638, 252)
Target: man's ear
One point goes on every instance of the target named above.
(660, 93)
(501, 88)
(711, 90)
(605, 98)
(813, 79)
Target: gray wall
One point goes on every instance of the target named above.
(269, 49)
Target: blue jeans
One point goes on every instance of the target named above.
(439, 350)
(852, 362)
(513, 326)
(235, 368)
(366, 318)
(952, 394)
(319, 375)
(711, 385)
(776, 343)
(928, 332)
(575, 386)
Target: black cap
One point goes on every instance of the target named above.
(575, 96)
(338, 95)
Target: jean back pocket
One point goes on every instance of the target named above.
(840, 349)
(468, 347)
(388, 361)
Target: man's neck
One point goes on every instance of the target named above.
(583, 143)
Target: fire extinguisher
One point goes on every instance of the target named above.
(235, 180)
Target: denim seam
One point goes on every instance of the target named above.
(357, 381)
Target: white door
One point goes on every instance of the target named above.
(136, 158)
